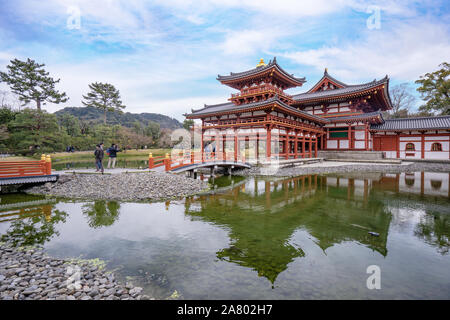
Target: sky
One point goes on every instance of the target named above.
(164, 55)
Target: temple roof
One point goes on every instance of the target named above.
(364, 116)
(261, 69)
(231, 107)
(327, 76)
(336, 93)
(438, 122)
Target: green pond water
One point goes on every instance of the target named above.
(297, 238)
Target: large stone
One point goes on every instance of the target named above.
(135, 291)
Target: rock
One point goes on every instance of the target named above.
(135, 291)
(110, 292)
(93, 292)
(32, 281)
(30, 290)
(129, 285)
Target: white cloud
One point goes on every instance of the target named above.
(404, 51)
(180, 43)
(247, 42)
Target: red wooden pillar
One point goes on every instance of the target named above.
(303, 145)
(315, 147)
(202, 150)
(398, 145)
(235, 144)
(286, 145)
(422, 148)
(150, 161)
(269, 143)
(350, 140)
(224, 142)
(310, 146)
(296, 144)
(366, 136)
(257, 146)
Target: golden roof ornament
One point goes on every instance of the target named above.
(261, 63)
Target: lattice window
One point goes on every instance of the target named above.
(410, 147)
(436, 146)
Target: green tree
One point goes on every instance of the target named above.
(71, 124)
(6, 115)
(35, 130)
(103, 134)
(188, 123)
(153, 130)
(103, 96)
(4, 135)
(137, 127)
(30, 82)
(434, 89)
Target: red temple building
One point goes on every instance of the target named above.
(330, 116)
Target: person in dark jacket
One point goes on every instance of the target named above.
(112, 151)
(99, 154)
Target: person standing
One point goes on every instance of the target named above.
(112, 151)
(99, 154)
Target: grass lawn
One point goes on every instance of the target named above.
(16, 158)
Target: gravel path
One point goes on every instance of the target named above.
(123, 187)
(344, 167)
(29, 274)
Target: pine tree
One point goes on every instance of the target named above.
(103, 96)
(435, 90)
(30, 82)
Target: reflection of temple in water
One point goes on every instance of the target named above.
(262, 215)
(417, 183)
(32, 220)
(26, 209)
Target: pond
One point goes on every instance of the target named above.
(298, 238)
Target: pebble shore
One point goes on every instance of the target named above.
(152, 186)
(345, 168)
(29, 274)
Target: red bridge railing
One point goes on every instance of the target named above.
(191, 157)
(13, 169)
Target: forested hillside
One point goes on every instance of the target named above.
(127, 119)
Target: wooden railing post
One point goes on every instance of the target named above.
(48, 164)
(43, 164)
(167, 162)
(151, 161)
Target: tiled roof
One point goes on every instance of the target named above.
(326, 75)
(440, 122)
(238, 75)
(337, 92)
(356, 117)
(212, 109)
